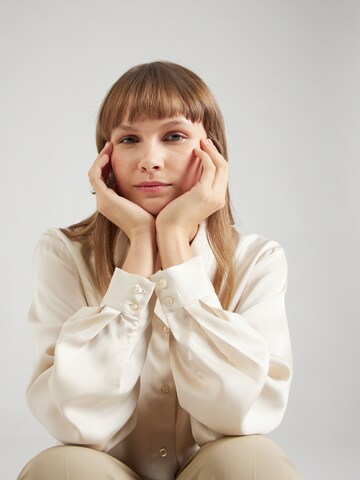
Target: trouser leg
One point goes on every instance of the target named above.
(251, 457)
(75, 463)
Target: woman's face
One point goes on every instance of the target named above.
(154, 161)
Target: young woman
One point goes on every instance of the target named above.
(162, 345)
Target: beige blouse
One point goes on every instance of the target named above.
(156, 368)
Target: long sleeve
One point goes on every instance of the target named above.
(232, 369)
(88, 358)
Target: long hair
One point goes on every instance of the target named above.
(159, 90)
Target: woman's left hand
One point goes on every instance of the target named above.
(177, 223)
(183, 215)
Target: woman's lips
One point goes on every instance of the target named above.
(152, 186)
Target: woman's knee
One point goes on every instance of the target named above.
(251, 457)
(70, 462)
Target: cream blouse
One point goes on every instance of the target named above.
(156, 368)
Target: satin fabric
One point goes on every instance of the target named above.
(156, 368)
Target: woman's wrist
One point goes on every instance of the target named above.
(173, 245)
(141, 256)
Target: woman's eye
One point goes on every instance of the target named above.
(128, 139)
(174, 137)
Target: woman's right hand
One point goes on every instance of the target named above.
(133, 220)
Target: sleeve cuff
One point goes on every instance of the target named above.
(128, 293)
(183, 284)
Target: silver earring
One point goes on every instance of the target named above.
(92, 191)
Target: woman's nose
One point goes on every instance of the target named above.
(150, 159)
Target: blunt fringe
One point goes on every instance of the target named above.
(159, 90)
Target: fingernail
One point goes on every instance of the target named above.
(210, 141)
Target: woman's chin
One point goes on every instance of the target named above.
(154, 209)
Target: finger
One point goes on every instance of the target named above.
(222, 166)
(101, 162)
(101, 188)
(96, 171)
(107, 148)
(209, 169)
(106, 151)
(209, 147)
(106, 169)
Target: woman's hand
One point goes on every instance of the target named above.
(177, 223)
(128, 216)
(134, 221)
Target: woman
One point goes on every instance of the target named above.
(162, 346)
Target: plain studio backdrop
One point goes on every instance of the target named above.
(286, 75)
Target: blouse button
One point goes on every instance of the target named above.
(168, 301)
(163, 452)
(163, 283)
(138, 289)
(134, 307)
(166, 329)
(165, 389)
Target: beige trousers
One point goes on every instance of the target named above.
(252, 457)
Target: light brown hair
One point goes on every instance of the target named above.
(159, 90)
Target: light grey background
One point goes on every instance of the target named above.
(287, 76)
